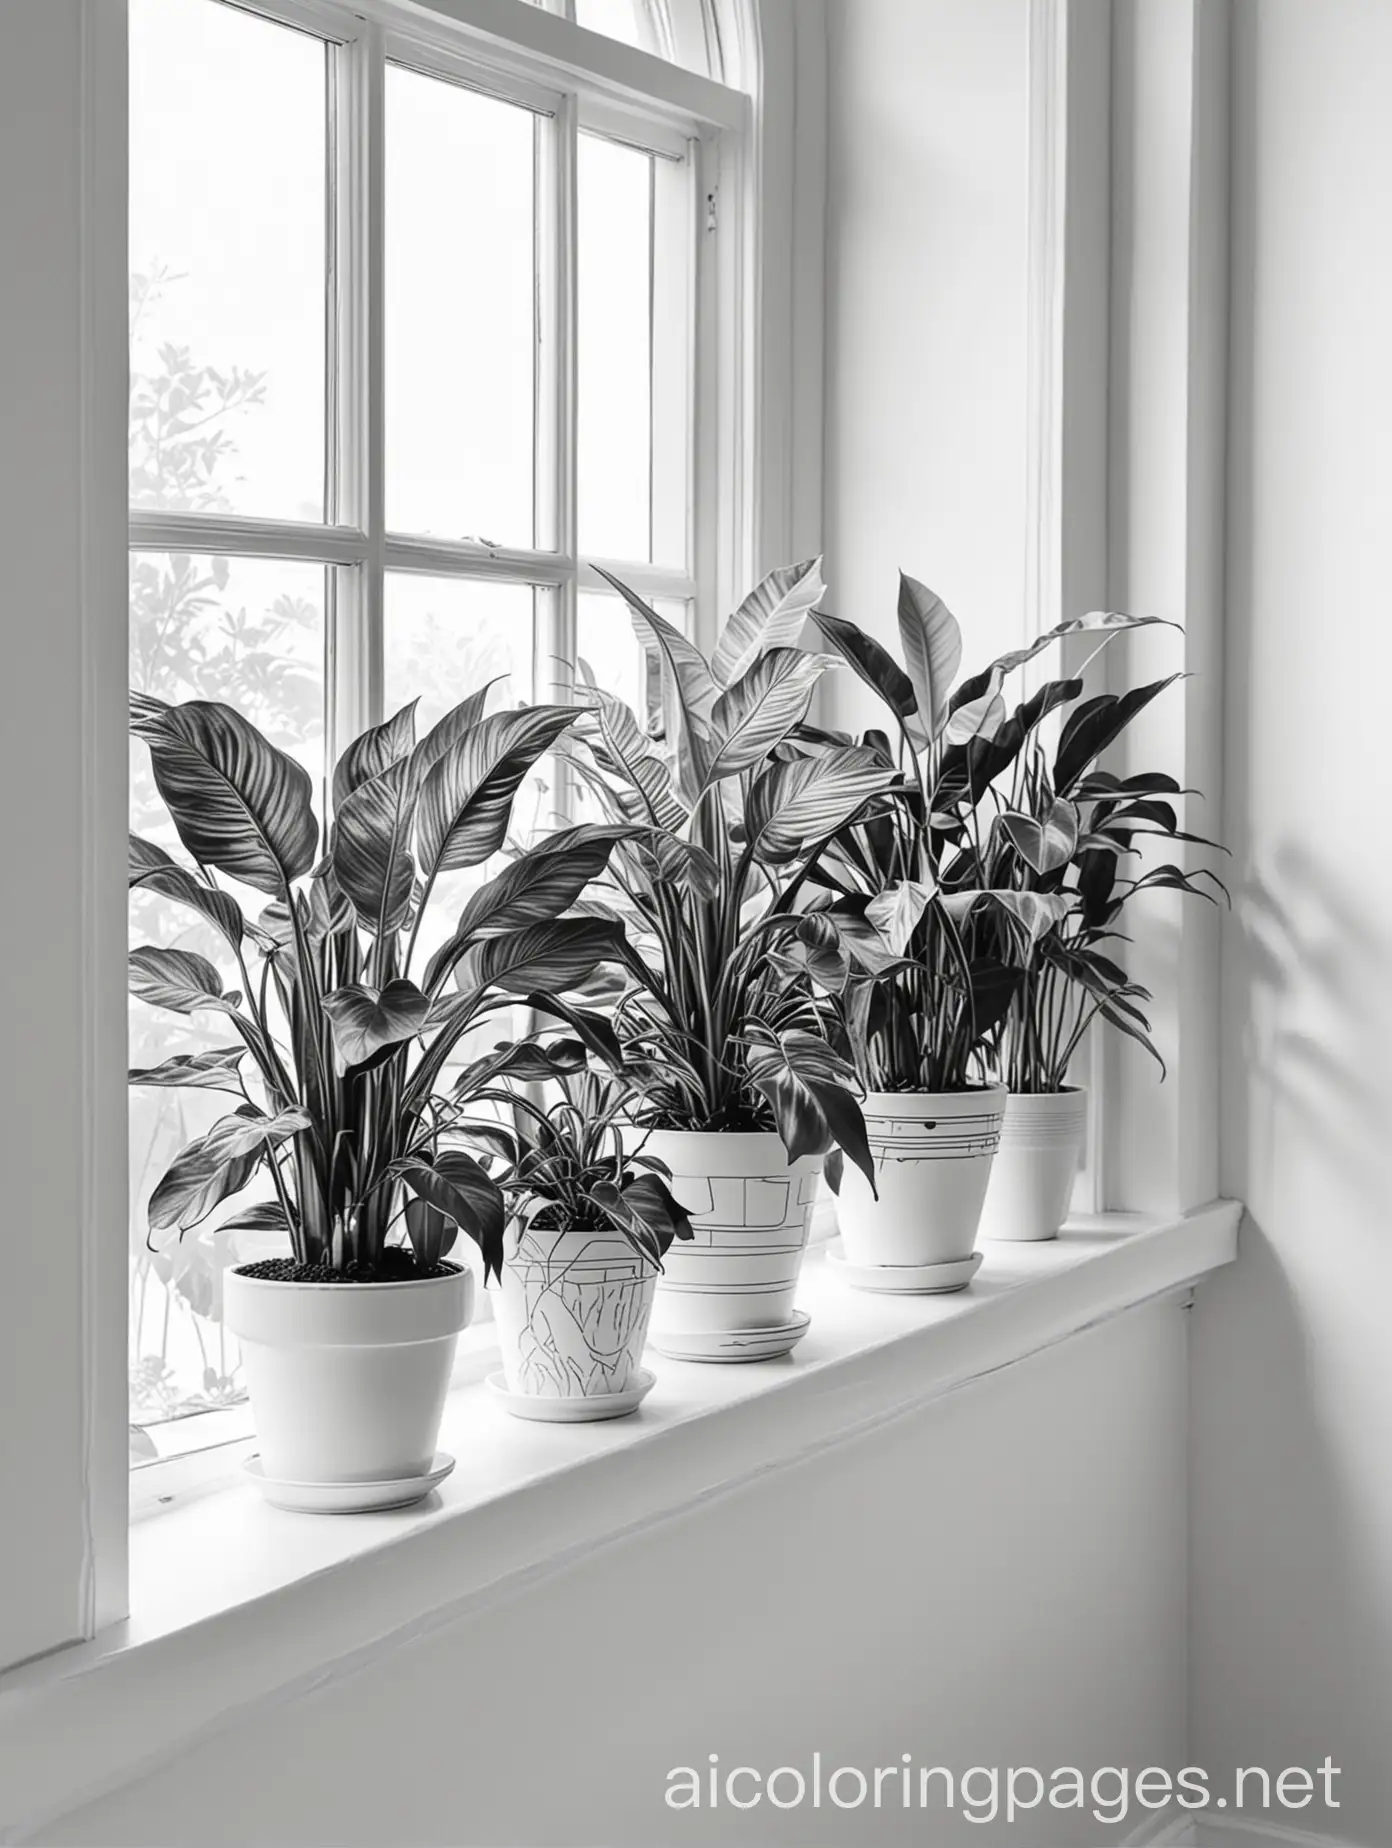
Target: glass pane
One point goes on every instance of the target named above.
(228, 261)
(249, 632)
(636, 22)
(460, 312)
(612, 655)
(615, 350)
(446, 637)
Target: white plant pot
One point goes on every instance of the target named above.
(1032, 1179)
(572, 1312)
(749, 1210)
(933, 1158)
(347, 1380)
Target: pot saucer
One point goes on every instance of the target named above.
(586, 1409)
(349, 1497)
(731, 1344)
(904, 1279)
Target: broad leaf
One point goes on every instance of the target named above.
(370, 754)
(431, 1232)
(371, 852)
(628, 752)
(1036, 913)
(215, 1070)
(794, 804)
(770, 617)
(262, 1216)
(1096, 724)
(219, 1164)
(685, 673)
(466, 798)
(595, 1030)
(456, 724)
(932, 643)
(877, 668)
(895, 912)
(151, 867)
(804, 1085)
(551, 957)
(239, 804)
(543, 882)
(1104, 622)
(367, 1020)
(645, 1205)
(457, 1186)
(180, 980)
(1044, 845)
(759, 710)
(526, 1062)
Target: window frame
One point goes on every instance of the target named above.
(576, 81)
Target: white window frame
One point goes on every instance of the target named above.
(576, 81)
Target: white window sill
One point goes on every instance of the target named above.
(233, 1601)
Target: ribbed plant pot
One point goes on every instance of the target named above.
(1032, 1179)
(572, 1311)
(933, 1155)
(347, 1380)
(750, 1208)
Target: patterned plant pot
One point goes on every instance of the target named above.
(572, 1313)
(1041, 1148)
(347, 1380)
(933, 1157)
(750, 1209)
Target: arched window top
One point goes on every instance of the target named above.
(712, 37)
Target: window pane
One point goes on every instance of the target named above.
(249, 632)
(446, 637)
(228, 261)
(460, 312)
(636, 22)
(612, 654)
(615, 350)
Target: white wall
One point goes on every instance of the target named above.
(1292, 1434)
(61, 1150)
(996, 1580)
(927, 233)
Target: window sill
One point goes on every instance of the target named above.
(233, 1601)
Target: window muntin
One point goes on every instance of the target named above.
(384, 584)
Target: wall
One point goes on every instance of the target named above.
(1292, 1547)
(995, 1580)
(927, 233)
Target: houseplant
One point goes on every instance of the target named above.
(590, 1220)
(337, 1044)
(737, 1054)
(1063, 830)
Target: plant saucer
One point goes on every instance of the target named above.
(587, 1408)
(731, 1344)
(349, 1497)
(904, 1279)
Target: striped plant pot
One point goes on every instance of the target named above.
(572, 1312)
(749, 1210)
(1041, 1148)
(933, 1157)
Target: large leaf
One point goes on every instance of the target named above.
(550, 957)
(466, 798)
(626, 751)
(895, 912)
(456, 724)
(1104, 622)
(758, 711)
(932, 643)
(770, 617)
(795, 804)
(1044, 844)
(367, 1020)
(180, 980)
(645, 1207)
(525, 1061)
(805, 1087)
(431, 1232)
(218, 1164)
(457, 1186)
(238, 803)
(370, 754)
(685, 673)
(877, 668)
(214, 1070)
(543, 882)
(371, 848)
(1036, 913)
(1096, 724)
(151, 867)
(596, 1030)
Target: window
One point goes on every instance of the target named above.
(419, 327)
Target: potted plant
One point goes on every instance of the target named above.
(337, 1046)
(736, 1053)
(590, 1221)
(1062, 832)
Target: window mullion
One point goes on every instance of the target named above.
(556, 627)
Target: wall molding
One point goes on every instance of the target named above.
(1176, 1828)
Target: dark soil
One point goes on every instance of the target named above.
(394, 1265)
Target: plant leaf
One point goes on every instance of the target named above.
(367, 1020)
(896, 910)
(466, 798)
(215, 1070)
(370, 850)
(151, 867)
(180, 980)
(758, 711)
(685, 673)
(1106, 622)
(218, 1164)
(771, 616)
(542, 883)
(430, 1231)
(1045, 845)
(370, 753)
(262, 1216)
(804, 1085)
(239, 804)
(457, 1186)
(551, 957)
(877, 668)
(793, 804)
(932, 643)
(1096, 724)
